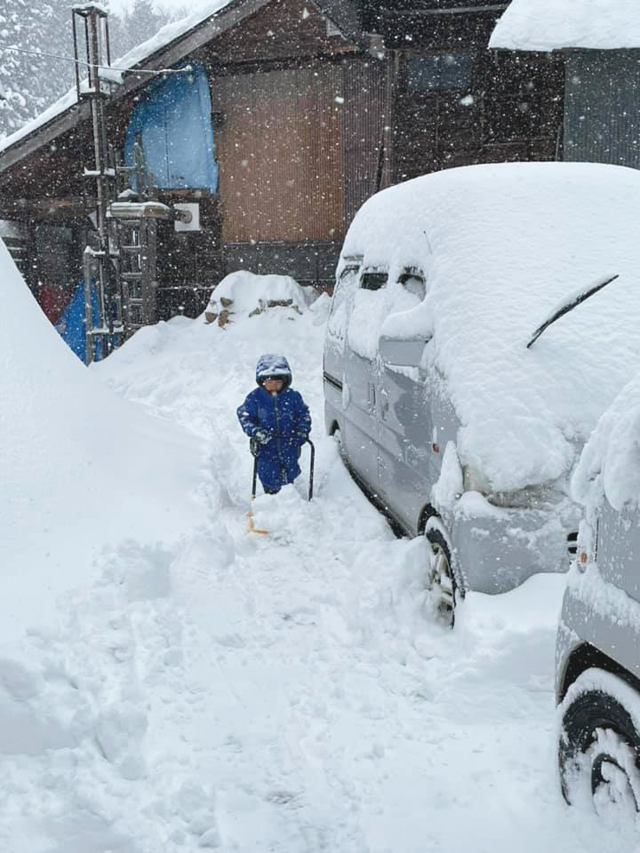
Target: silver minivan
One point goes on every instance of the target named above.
(455, 412)
(598, 642)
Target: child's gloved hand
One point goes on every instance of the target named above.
(263, 436)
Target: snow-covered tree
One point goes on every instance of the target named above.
(30, 82)
(36, 52)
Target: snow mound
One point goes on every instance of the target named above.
(73, 452)
(246, 293)
(551, 25)
(500, 247)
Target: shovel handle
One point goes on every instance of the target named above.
(312, 464)
(255, 477)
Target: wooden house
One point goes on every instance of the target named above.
(289, 115)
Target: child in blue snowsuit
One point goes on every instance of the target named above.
(277, 420)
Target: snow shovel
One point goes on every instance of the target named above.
(251, 528)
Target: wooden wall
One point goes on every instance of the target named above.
(512, 110)
(280, 154)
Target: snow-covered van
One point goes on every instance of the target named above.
(598, 643)
(460, 424)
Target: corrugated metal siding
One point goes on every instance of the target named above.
(602, 107)
(367, 99)
(280, 153)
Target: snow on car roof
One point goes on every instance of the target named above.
(501, 246)
(552, 25)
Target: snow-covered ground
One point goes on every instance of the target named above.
(219, 690)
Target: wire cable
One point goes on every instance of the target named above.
(184, 70)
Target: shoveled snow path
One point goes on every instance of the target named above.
(290, 693)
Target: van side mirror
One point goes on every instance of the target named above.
(402, 352)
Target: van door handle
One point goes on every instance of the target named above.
(384, 404)
(372, 397)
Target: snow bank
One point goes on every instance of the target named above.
(80, 468)
(245, 293)
(501, 246)
(552, 25)
(246, 693)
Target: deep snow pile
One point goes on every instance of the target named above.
(80, 468)
(500, 246)
(554, 24)
(290, 693)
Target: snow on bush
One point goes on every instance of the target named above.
(246, 293)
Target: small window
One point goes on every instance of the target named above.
(441, 72)
(373, 280)
(413, 282)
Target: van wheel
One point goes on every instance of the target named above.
(441, 580)
(599, 751)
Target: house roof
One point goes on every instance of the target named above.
(169, 45)
(546, 25)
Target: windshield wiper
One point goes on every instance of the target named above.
(569, 304)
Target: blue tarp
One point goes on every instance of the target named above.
(172, 119)
(71, 323)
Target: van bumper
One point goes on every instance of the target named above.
(497, 549)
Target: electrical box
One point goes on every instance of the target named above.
(189, 213)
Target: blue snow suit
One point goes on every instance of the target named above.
(284, 415)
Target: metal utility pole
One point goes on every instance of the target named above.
(91, 47)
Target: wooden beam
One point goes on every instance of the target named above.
(44, 209)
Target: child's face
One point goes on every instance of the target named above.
(272, 385)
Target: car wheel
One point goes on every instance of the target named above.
(441, 580)
(599, 749)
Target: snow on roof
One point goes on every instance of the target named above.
(545, 25)
(164, 36)
(501, 246)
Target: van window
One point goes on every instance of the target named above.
(342, 288)
(373, 280)
(413, 282)
(345, 286)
